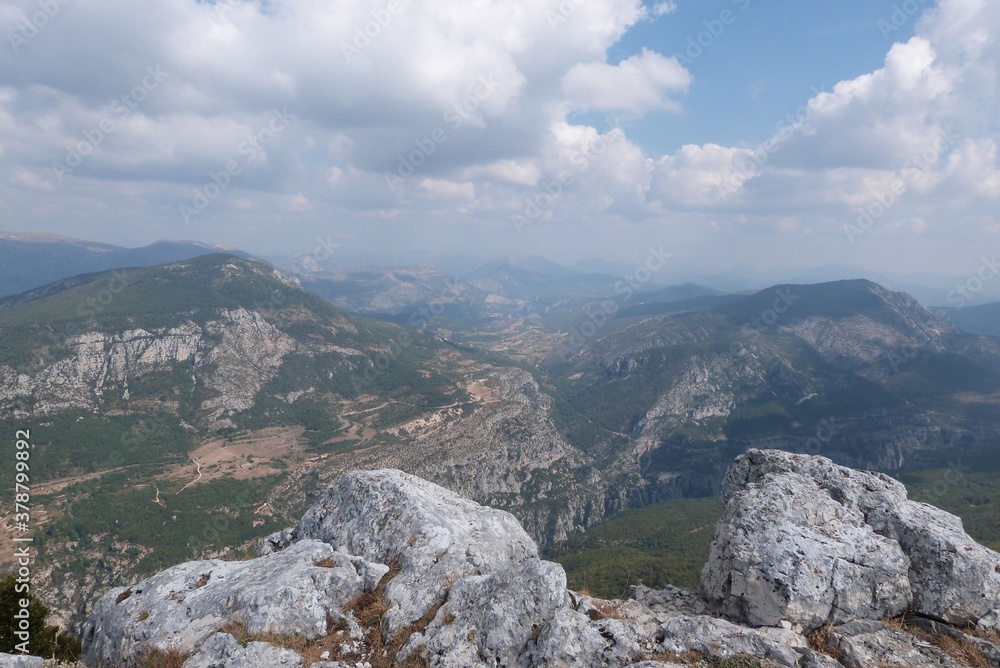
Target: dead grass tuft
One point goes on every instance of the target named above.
(162, 658)
(605, 610)
(687, 658)
(311, 650)
(821, 641)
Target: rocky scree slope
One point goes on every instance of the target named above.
(389, 569)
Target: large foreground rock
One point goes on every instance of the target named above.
(810, 542)
(389, 569)
(433, 536)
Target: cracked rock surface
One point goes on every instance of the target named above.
(805, 540)
(391, 570)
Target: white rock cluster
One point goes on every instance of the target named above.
(807, 541)
(389, 569)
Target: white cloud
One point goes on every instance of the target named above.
(926, 120)
(638, 84)
(702, 176)
(447, 190)
(492, 87)
(664, 8)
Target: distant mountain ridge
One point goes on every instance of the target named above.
(31, 259)
(983, 319)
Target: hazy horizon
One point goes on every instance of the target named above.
(863, 136)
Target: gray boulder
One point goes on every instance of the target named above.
(490, 620)
(810, 542)
(433, 536)
(300, 591)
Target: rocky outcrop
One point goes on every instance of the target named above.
(20, 661)
(389, 569)
(433, 537)
(807, 541)
(299, 591)
(233, 355)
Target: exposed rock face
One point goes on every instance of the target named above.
(239, 352)
(298, 591)
(435, 537)
(810, 542)
(437, 580)
(19, 661)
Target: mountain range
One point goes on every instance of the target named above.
(188, 408)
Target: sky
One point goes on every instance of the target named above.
(731, 133)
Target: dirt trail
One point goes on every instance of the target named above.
(198, 470)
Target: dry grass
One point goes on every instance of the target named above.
(688, 658)
(311, 650)
(605, 610)
(124, 595)
(821, 641)
(368, 609)
(162, 658)
(962, 651)
(954, 643)
(325, 563)
(693, 658)
(989, 636)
